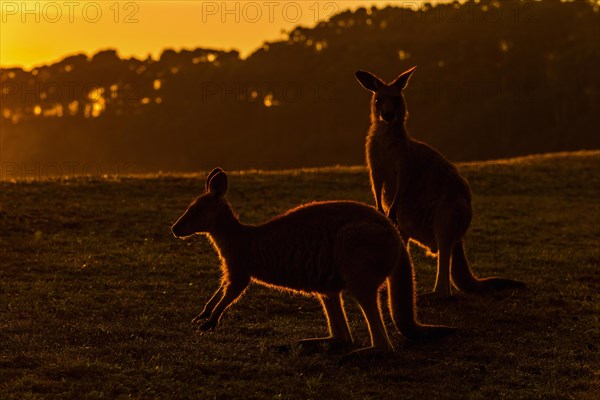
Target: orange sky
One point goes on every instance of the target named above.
(36, 32)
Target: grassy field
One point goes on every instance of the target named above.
(96, 296)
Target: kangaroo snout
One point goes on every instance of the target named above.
(179, 232)
(388, 116)
(175, 231)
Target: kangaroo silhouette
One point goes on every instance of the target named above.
(419, 189)
(320, 249)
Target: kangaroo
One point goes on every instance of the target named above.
(317, 249)
(419, 189)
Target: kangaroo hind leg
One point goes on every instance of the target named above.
(339, 331)
(446, 236)
(441, 288)
(368, 301)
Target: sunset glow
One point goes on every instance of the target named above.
(38, 32)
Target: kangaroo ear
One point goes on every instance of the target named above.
(218, 184)
(209, 177)
(402, 80)
(369, 81)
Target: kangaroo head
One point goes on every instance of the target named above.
(387, 103)
(202, 214)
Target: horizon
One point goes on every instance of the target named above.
(91, 171)
(46, 29)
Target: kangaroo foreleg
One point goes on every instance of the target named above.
(393, 210)
(210, 306)
(231, 291)
(377, 187)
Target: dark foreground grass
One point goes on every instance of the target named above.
(97, 296)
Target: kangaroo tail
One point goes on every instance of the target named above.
(464, 279)
(462, 276)
(402, 303)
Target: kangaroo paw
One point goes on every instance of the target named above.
(198, 318)
(437, 296)
(208, 325)
(363, 354)
(328, 344)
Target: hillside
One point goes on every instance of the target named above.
(97, 295)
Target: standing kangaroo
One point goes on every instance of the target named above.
(419, 189)
(320, 249)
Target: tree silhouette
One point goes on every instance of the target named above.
(494, 79)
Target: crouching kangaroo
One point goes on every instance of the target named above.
(320, 249)
(419, 189)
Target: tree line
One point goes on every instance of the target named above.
(494, 79)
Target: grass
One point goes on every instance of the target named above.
(96, 296)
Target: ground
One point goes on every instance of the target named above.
(96, 295)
